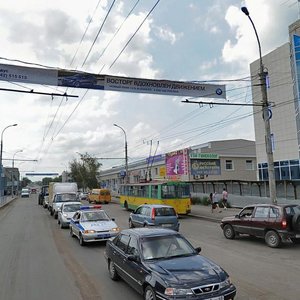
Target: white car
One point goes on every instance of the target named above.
(66, 212)
(92, 224)
(25, 193)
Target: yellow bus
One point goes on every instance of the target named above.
(173, 193)
(99, 196)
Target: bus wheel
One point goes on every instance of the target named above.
(126, 205)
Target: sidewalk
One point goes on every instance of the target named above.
(204, 212)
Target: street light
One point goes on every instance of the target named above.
(126, 154)
(12, 173)
(266, 116)
(1, 151)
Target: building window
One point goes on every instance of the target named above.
(249, 165)
(229, 165)
(156, 171)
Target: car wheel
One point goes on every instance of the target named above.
(149, 293)
(58, 222)
(131, 224)
(126, 205)
(295, 241)
(61, 225)
(272, 239)
(55, 216)
(51, 212)
(112, 271)
(81, 241)
(71, 232)
(229, 232)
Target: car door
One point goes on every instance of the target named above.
(134, 269)
(243, 222)
(76, 224)
(260, 221)
(137, 217)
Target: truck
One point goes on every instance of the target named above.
(60, 192)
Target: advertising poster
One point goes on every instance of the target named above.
(205, 167)
(69, 78)
(177, 163)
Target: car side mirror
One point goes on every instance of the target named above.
(133, 258)
(198, 249)
(237, 216)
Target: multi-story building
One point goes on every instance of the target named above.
(283, 82)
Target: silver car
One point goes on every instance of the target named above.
(154, 215)
(66, 212)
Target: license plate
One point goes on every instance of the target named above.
(166, 225)
(103, 236)
(216, 298)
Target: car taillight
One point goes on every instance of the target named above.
(153, 214)
(283, 224)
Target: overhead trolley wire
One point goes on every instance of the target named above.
(92, 46)
(134, 34)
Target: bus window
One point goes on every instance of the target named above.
(154, 192)
(168, 191)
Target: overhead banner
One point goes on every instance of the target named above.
(76, 79)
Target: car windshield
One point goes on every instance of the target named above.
(94, 216)
(71, 207)
(65, 198)
(166, 247)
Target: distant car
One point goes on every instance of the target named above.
(79, 80)
(154, 215)
(161, 264)
(66, 212)
(274, 223)
(83, 196)
(92, 224)
(25, 193)
(33, 191)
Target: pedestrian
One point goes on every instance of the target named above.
(211, 201)
(215, 202)
(224, 198)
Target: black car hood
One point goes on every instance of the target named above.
(188, 271)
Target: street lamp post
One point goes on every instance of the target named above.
(126, 155)
(1, 151)
(266, 117)
(12, 172)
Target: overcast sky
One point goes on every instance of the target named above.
(200, 40)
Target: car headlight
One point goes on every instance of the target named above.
(89, 231)
(116, 229)
(225, 283)
(65, 215)
(175, 291)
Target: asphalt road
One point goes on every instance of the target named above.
(41, 261)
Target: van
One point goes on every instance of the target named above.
(99, 196)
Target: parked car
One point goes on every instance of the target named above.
(161, 264)
(274, 223)
(25, 193)
(44, 192)
(92, 224)
(154, 215)
(83, 196)
(66, 212)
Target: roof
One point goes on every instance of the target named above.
(149, 232)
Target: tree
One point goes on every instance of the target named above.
(85, 171)
(25, 182)
(46, 180)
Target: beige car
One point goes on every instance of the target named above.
(99, 196)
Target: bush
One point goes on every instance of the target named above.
(200, 200)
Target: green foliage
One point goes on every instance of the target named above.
(25, 181)
(200, 200)
(85, 171)
(46, 180)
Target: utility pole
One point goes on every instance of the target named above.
(266, 117)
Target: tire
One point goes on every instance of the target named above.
(81, 241)
(58, 222)
(71, 232)
(61, 225)
(229, 232)
(296, 222)
(51, 212)
(113, 274)
(149, 293)
(55, 215)
(272, 239)
(131, 224)
(295, 241)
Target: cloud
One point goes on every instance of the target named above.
(166, 34)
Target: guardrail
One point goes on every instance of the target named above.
(6, 199)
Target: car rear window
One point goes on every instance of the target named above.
(165, 211)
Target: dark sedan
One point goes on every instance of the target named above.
(161, 264)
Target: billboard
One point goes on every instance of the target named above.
(177, 163)
(205, 167)
(69, 78)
